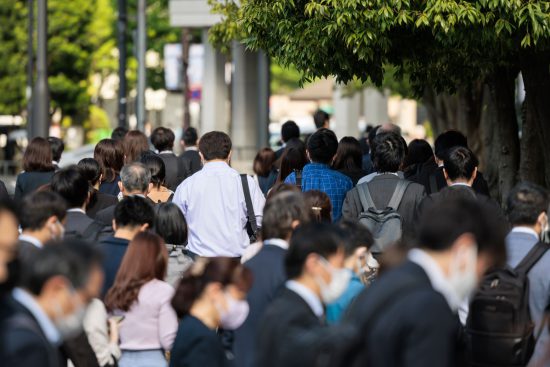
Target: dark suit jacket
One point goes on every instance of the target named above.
(173, 170)
(107, 215)
(99, 201)
(3, 191)
(190, 162)
(415, 328)
(77, 223)
(269, 276)
(381, 189)
(28, 182)
(26, 251)
(110, 188)
(113, 250)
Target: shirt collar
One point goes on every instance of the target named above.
(215, 165)
(437, 278)
(30, 239)
(320, 165)
(308, 296)
(277, 242)
(55, 163)
(526, 230)
(47, 326)
(166, 152)
(460, 184)
(76, 210)
(192, 148)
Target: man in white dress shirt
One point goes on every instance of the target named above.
(213, 202)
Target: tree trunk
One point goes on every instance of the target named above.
(490, 140)
(531, 158)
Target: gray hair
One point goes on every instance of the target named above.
(279, 213)
(135, 177)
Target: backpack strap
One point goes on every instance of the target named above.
(249, 207)
(298, 176)
(365, 197)
(433, 184)
(398, 194)
(532, 257)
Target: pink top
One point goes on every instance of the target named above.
(151, 322)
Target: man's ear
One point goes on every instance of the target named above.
(113, 224)
(144, 227)
(229, 156)
(149, 188)
(307, 154)
(120, 186)
(202, 157)
(445, 174)
(51, 221)
(474, 175)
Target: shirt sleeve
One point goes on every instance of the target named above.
(95, 326)
(168, 321)
(180, 198)
(291, 179)
(258, 199)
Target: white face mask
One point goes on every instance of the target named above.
(57, 230)
(338, 284)
(464, 281)
(235, 314)
(70, 325)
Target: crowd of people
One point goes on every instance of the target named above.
(334, 253)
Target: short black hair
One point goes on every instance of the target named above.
(171, 225)
(133, 211)
(525, 203)
(280, 211)
(38, 206)
(70, 258)
(119, 133)
(445, 221)
(322, 146)
(387, 152)
(289, 130)
(190, 136)
(156, 167)
(354, 235)
(162, 139)
(419, 151)
(314, 238)
(57, 147)
(448, 140)
(460, 163)
(320, 117)
(72, 185)
(90, 169)
(215, 145)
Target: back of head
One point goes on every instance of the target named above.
(134, 211)
(321, 118)
(119, 133)
(135, 177)
(319, 205)
(525, 204)
(322, 146)
(349, 155)
(444, 222)
(387, 152)
(163, 139)
(280, 213)
(190, 137)
(448, 140)
(314, 238)
(263, 162)
(135, 143)
(354, 235)
(71, 185)
(420, 152)
(38, 206)
(215, 145)
(290, 130)
(156, 167)
(171, 225)
(90, 169)
(279, 188)
(293, 158)
(460, 163)
(389, 128)
(38, 156)
(57, 146)
(110, 156)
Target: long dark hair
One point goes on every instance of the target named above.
(135, 143)
(110, 156)
(293, 158)
(263, 163)
(146, 259)
(349, 155)
(320, 206)
(156, 166)
(38, 156)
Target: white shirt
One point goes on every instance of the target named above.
(437, 278)
(30, 239)
(308, 296)
(213, 203)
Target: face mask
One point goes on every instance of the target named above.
(235, 314)
(69, 326)
(338, 284)
(464, 281)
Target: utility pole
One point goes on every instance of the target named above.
(185, 44)
(141, 49)
(121, 44)
(30, 64)
(41, 111)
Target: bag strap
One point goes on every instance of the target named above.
(249, 207)
(365, 197)
(298, 176)
(398, 194)
(433, 184)
(93, 228)
(532, 257)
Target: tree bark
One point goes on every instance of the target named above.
(531, 158)
(491, 141)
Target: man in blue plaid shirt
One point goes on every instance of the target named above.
(317, 175)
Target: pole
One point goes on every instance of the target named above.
(185, 44)
(30, 64)
(41, 110)
(121, 44)
(141, 47)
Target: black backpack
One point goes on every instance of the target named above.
(499, 328)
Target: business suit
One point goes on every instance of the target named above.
(3, 191)
(268, 271)
(414, 328)
(430, 169)
(190, 163)
(76, 223)
(113, 250)
(173, 171)
(26, 251)
(381, 189)
(28, 182)
(98, 202)
(107, 215)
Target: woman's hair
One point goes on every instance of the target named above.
(135, 143)
(293, 158)
(349, 155)
(170, 224)
(419, 152)
(281, 187)
(110, 156)
(320, 205)
(224, 270)
(90, 170)
(146, 259)
(263, 163)
(156, 166)
(38, 156)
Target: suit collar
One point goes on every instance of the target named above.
(308, 296)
